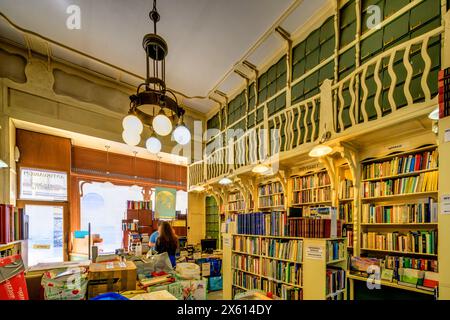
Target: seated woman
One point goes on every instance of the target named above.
(167, 241)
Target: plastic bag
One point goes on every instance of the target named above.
(65, 284)
(154, 263)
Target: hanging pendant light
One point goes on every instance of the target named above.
(225, 181)
(131, 123)
(162, 124)
(181, 134)
(131, 138)
(154, 105)
(153, 145)
(320, 150)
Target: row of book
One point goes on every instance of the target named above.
(235, 197)
(349, 238)
(272, 270)
(270, 188)
(400, 165)
(346, 212)
(287, 272)
(280, 290)
(412, 241)
(282, 249)
(424, 212)
(312, 195)
(444, 92)
(10, 250)
(130, 225)
(312, 181)
(336, 250)
(246, 281)
(395, 262)
(236, 206)
(346, 189)
(260, 223)
(425, 182)
(251, 245)
(276, 200)
(307, 227)
(335, 281)
(139, 205)
(283, 291)
(13, 224)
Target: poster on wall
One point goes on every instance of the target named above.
(43, 185)
(165, 203)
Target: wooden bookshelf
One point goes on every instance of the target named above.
(271, 196)
(404, 208)
(235, 202)
(253, 259)
(312, 189)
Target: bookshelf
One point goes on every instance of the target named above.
(237, 203)
(398, 213)
(346, 203)
(138, 223)
(311, 190)
(271, 196)
(267, 254)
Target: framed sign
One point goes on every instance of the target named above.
(43, 185)
(165, 203)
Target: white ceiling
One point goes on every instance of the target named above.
(205, 37)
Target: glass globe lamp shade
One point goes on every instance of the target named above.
(320, 151)
(434, 115)
(162, 125)
(131, 123)
(131, 138)
(260, 168)
(182, 135)
(153, 145)
(225, 181)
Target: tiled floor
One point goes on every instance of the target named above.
(215, 295)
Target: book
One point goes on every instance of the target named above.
(421, 212)
(13, 224)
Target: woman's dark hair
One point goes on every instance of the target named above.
(167, 236)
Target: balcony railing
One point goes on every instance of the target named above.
(297, 125)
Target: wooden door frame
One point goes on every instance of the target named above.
(66, 221)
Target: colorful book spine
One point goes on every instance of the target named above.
(427, 160)
(425, 182)
(424, 212)
(262, 223)
(13, 224)
(421, 242)
(313, 228)
(139, 205)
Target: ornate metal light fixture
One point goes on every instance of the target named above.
(154, 105)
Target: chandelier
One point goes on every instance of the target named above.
(154, 105)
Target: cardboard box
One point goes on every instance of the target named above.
(111, 277)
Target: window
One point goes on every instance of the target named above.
(105, 207)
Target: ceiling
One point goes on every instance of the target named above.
(206, 38)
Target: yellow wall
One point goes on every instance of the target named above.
(196, 217)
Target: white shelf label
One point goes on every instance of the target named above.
(445, 204)
(314, 252)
